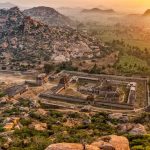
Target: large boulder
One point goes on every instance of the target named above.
(4, 45)
(138, 130)
(41, 112)
(13, 41)
(70, 146)
(133, 129)
(112, 142)
(39, 126)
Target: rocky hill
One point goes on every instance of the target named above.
(48, 16)
(97, 10)
(147, 12)
(25, 39)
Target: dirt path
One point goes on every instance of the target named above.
(11, 78)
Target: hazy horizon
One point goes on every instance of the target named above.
(136, 6)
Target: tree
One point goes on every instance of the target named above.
(95, 69)
(48, 68)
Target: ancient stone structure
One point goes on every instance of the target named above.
(106, 90)
(16, 90)
(64, 81)
(41, 79)
(90, 99)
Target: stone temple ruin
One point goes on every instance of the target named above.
(81, 89)
(99, 90)
(109, 90)
(16, 90)
(40, 79)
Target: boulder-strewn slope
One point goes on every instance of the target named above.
(48, 16)
(25, 39)
(104, 143)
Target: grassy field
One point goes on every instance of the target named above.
(131, 36)
(136, 42)
(132, 43)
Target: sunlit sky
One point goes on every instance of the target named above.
(130, 5)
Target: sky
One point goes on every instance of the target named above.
(125, 5)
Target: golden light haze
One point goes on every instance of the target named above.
(123, 5)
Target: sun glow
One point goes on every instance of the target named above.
(124, 5)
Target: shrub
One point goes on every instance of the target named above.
(48, 68)
(74, 115)
(139, 142)
(1, 128)
(2, 94)
(25, 122)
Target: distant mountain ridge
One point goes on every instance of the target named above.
(48, 16)
(6, 5)
(98, 10)
(147, 12)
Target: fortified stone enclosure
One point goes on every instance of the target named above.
(106, 91)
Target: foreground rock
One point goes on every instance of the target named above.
(112, 142)
(70, 146)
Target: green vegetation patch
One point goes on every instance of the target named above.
(132, 64)
(141, 142)
(2, 94)
(29, 139)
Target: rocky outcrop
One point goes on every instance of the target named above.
(112, 142)
(133, 129)
(70, 146)
(39, 126)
